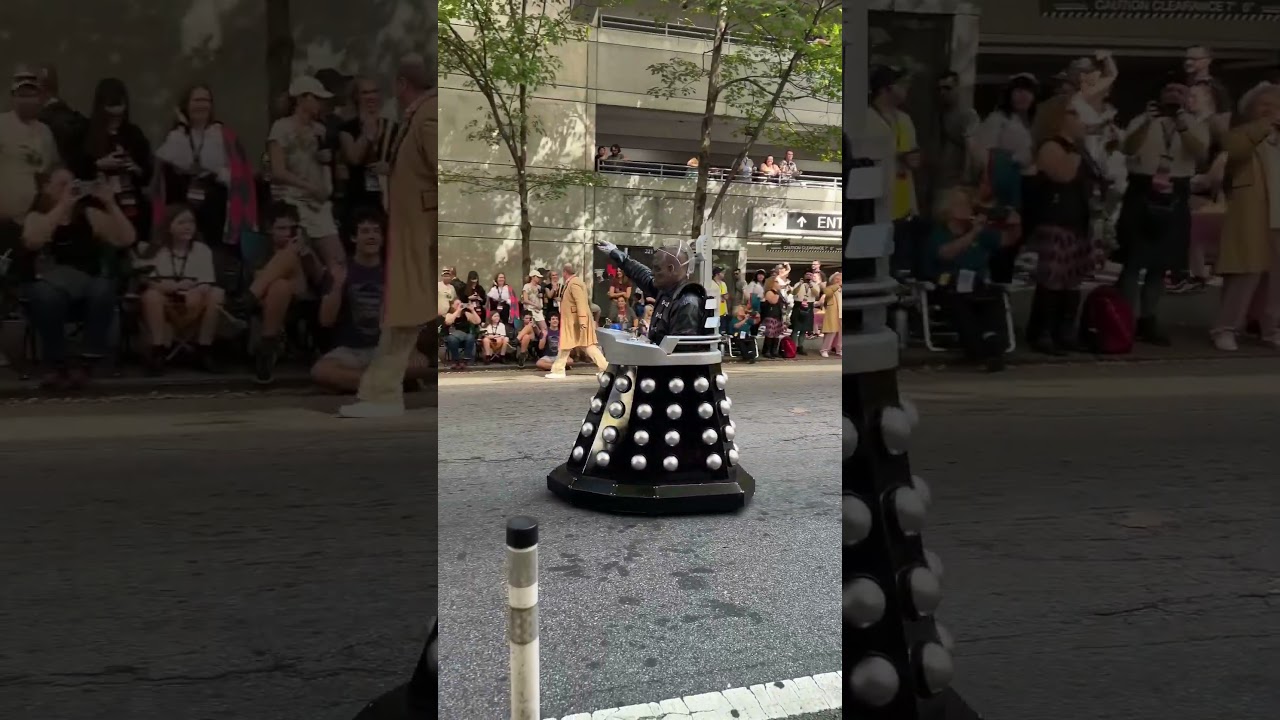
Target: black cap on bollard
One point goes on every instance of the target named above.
(522, 532)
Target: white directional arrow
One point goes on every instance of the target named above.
(800, 222)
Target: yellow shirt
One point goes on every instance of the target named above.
(724, 292)
(897, 129)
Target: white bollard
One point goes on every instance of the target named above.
(522, 617)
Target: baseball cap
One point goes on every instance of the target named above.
(307, 85)
(535, 273)
(24, 76)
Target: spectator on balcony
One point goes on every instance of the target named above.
(503, 300)
(746, 170)
(300, 162)
(531, 296)
(28, 149)
(494, 339)
(693, 167)
(74, 226)
(460, 323)
(790, 171)
(366, 141)
(769, 170)
(602, 155)
(114, 148)
(180, 297)
(615, 153)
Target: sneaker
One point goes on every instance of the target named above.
(520, 360)
(371, 410)
(264, 367)
(1225, 340)
(824, 353)
(555, 375)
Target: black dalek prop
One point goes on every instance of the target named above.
(897, 658)
(657, 438)
(417, 699)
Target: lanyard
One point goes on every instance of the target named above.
(197, 150)
(177, 274)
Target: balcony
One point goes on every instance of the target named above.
(639, 168)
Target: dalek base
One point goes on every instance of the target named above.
(594, 493)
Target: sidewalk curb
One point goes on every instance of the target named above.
(948, 361)
(290, 383)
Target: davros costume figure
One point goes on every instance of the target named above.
(657, 438)
(680, 303)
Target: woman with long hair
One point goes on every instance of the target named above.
(204, 166)
(503, 299)
(116, 150)
(180, 297)
(1009, 168)
(1062, 236)
(771, 312)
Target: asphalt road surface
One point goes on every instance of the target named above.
(246, 559)
(1109, 536)
(639, 610)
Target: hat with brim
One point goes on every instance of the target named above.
(535, 273)
(307, 85)
(1023, 81)
(24, 78)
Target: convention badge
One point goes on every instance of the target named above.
(371, 182)
(964, 281)
(195, 192)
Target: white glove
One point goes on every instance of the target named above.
(607, 247)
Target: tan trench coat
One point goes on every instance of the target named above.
(577, 326)
(413, 211)
(831, 309)
(1246, 243)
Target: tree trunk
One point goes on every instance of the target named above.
(708, 120)
(522, 182)
(280, 51)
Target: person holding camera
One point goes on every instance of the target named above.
(460, 323)
(963, 240)
(1164, 145)
(68, 229)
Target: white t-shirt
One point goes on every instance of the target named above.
(27, 149)
(196, 265)
(301, 147)
(498, 330)
(182, 148)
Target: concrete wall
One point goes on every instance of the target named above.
(479, 229)
(157, 48)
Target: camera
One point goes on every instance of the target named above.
(1170, 109)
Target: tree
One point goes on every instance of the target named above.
(506, 50)
(765, 56)
(280, 51)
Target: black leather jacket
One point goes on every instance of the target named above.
(679, 310)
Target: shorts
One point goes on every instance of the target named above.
(351, 358)
(316, 219)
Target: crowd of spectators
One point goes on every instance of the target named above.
(1055, 181)
(489, 321)
(179, 250)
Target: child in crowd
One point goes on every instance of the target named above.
(493, 339)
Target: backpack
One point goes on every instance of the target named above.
(787, 348)
(1107, 322)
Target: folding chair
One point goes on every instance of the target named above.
(934, 327)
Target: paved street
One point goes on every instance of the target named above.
(1109, 537)
(638, 610)
(243, 558)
